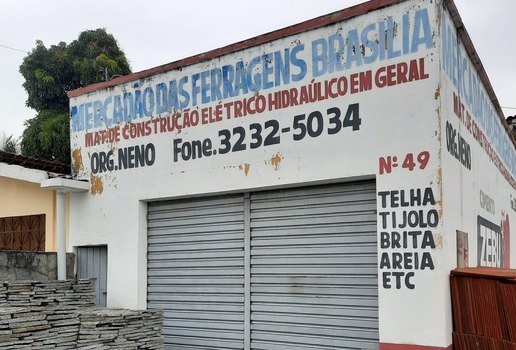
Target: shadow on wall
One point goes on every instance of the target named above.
(35, 266)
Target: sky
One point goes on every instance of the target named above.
(155, 32)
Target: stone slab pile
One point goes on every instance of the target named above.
(38, 328)
(79, 293)
(61, 315)
(120, 329)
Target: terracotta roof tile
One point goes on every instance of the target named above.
(34, 163)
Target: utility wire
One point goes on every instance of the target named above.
(509, 107)
(12, 48)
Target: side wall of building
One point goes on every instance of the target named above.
(478, 166)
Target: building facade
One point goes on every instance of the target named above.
(27, 211)
(311, 187)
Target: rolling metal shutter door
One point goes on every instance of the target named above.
(196, 271)
(314, 268)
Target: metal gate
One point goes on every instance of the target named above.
(196, 271)
(284, 269)
(92, 263)
(314, 268)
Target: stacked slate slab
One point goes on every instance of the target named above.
(120, 329)
(77, 293)
(61, 315)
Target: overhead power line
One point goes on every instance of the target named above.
(12, 48)
(509, 107)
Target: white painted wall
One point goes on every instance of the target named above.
(480, 191)
(403, 120)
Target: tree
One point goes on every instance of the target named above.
(50, 73)
(9, 144)
(47, 136)
(94, 52)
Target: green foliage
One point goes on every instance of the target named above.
(50, 73)
(47, 136)
(44, 78)
(95, 50)
(9, 144)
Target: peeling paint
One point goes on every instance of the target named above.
(438, 111)
(276, 161)
(439, 180)
(437, 93)
(242, 167)
(96, 187)
(239, 167)
(77, 160)
(440, 184)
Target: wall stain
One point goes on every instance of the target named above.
(437, 93)
(438, 111)
(438, 241)
(77, 160)
(276, 161)
(440, 184)
(97, 187)
(246, 168)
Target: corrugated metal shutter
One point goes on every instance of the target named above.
(284, 269)
(196, 271)
(314, 268)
